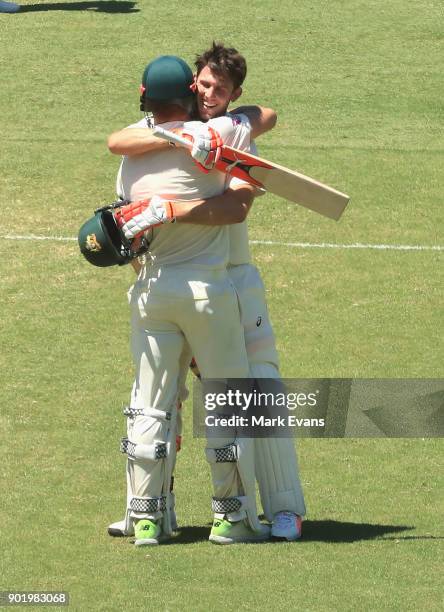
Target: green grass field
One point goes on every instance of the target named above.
(358, 89)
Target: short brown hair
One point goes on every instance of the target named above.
(168, 106)
(223, 60)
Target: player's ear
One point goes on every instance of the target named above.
(236, 94)
(193, 85)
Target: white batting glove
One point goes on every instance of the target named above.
(137, 217)
(207, 146)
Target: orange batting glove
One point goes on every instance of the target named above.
(137, 217)
(207, 146)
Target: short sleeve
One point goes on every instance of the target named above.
(235, 130)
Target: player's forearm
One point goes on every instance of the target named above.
(262, 119)
(135, 141)
(229, 208)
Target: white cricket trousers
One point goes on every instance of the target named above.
(169, 307)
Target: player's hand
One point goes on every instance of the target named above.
(137, 217)
(207, 146)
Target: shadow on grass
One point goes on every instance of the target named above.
(104, 6)
(342, 532)
(420, 537)
(317, 531)
(191, 535)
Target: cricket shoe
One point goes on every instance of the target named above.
(148, 533)
(224, 532)
(286, 526)
(119, 529)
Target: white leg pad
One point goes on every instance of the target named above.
(170, 462)
(232, 468)
(151, 449)
(277, 475)
(277, 470)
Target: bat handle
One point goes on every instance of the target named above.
(171, 137)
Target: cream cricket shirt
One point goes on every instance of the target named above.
(238, 232)
(172, 173)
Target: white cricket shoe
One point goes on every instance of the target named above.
(119, 529)
(9, 7)
(286, 526)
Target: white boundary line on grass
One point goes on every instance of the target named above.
(300, 245)
(357, 245)
(37, 238)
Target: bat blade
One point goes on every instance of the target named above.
(288, 184)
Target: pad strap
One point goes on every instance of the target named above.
(152, 452)
(132, 413)
(226, 454)
(227, 505)
(148, 504)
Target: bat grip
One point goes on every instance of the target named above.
(171, 137)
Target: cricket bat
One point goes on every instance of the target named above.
(281, 181)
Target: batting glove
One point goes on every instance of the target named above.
(137, 217)
(207, 146)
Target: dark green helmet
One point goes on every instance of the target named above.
(100, 241)
(167, 78)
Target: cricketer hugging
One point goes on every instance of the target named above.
(197, 295)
